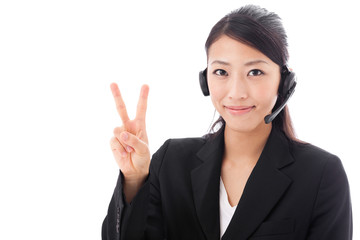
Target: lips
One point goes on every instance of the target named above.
(239, 110)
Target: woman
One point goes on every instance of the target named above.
(251, 179)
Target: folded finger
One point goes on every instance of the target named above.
(117, 133)
(134, 142)
(116, 146)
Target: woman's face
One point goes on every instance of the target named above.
(243, 83)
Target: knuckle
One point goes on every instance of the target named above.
(118, 130)
(114, 143)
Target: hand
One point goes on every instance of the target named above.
(130, 143)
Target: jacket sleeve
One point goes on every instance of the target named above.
(142, 218)
(332, 214)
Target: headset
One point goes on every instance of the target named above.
(285, 91)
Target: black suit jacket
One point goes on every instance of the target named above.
(295, 191)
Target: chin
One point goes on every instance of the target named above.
(243, 128)
(247, 126)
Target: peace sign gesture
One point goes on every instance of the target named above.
(130, 143)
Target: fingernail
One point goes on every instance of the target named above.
(129, 149)
(124, 136)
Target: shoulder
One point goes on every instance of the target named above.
(324, 177)
(181, 146)
(177, 150)
(313, 155)
(318, 163)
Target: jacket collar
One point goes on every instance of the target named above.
(205, 183)
(263, 189)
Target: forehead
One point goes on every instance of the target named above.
(229, 49)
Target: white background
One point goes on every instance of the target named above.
(58, 58)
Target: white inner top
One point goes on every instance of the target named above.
(226, 210)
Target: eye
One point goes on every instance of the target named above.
(220, 72)
(255, 72)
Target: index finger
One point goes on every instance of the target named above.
(120, 105)
(142, 104)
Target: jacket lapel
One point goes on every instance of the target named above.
(205, 181)
(264, 188)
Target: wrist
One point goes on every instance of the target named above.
(135, 181)
(132, 186)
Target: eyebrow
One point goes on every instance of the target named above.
(220, 62)
(255, 62)
(246, 64)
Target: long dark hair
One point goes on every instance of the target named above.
(263, 30)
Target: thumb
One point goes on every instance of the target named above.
(134, 142)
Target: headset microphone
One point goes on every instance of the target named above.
(270, 117)
(286, 90)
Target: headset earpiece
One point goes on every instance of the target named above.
(203, 82)
(288, 82)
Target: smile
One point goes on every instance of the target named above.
(239, 110)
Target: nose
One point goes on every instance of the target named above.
(238, 87)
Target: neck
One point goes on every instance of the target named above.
(245, 147)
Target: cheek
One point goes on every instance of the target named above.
(267, 96)
(216, 92)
